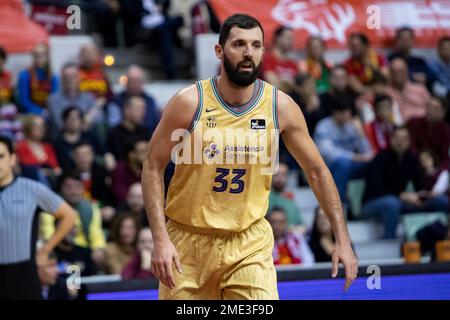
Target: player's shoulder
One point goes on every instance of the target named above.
(284, 100)
(288, 110)
(186, 97)
(181, 108)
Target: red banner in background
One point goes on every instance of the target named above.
(334, 20)
(52, 18)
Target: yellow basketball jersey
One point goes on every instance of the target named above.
(225, 161)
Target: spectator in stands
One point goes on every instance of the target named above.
(106, 15)
(290, 246)
(129, 170)
(280, 197)
(411, 98)
(131, 13)
(94, 80)
(363, 62)
(6, 89)
(37, 83)
(203, 18)
(88, 222)
(10, 124)
(339, 89)
(70, 95)
(435, 178)
(385, 192)
(431, 132)
(131, 127)
(139, 265)
(96, 180)
(419, 71)
(343, 145)
(70, 254)
(379, 130)
(365, 103)
(279, 69)
(441, 64)
(53, 286)
(71, 134)
(305, 95)
(135, 87)
(37, 158)
(122, 245)
(321, 241)
(134, 204)
(92, 77)
(315, 64)
(156, 20)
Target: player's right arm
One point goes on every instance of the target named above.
(178, 114)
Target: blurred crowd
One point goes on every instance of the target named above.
(381, 120)
(376, 118)
(79, 138)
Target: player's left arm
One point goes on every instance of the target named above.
(299, 143)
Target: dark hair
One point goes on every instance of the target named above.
(343, 102)
(68, 110)
(128, 101)
(314, 226)
(130, 144)
(82, 143)
(378, 78)
(3, 53)
(116, 225)
(68, 174)
(380, 98)
(403, 29)
(301, 78)
(362, 37)
(279, 31)
(8, 143)
(239, 20)
(314, 241)
(442, 40)
(399, 128)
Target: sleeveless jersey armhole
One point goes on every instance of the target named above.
(275, 107)
(198, 111)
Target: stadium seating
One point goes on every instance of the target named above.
(413, 222)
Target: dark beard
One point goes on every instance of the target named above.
(241, 79)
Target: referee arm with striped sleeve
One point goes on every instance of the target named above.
(66, 217)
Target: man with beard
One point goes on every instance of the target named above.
(216, 235)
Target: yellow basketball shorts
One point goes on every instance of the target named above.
(221, 265)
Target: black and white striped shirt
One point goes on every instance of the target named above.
(20, 203)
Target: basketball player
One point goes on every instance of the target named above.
(217, 244)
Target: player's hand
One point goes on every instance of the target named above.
(163, 256)
(345, 255)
